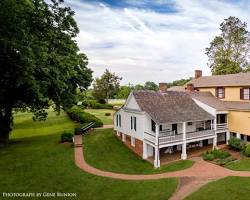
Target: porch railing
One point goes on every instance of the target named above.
(165, 138)
(222, 126)
(197, 134)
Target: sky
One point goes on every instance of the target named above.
(151, 40)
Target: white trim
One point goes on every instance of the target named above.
(132, 141)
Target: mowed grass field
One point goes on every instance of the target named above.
(230, 188)
(100, 113)
(104, 151)
(36, 161)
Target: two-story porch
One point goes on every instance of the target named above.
(169, 138)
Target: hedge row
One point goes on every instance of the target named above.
(95, 105)
(78, 115)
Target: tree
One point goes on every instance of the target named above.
(106, 86)
(39, 59)
(151, 86)
(179, 82)
(229, 52)
(123, 92)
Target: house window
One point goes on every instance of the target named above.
(242, 137)
(245, 93)
(133, 123)
(117, 119)
(132, 141)
(190, 123)
(220, 92)
(153, 126)
(120, 120)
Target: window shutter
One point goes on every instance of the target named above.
(223, 89)
(120, 120)
(135, 123)
(241, 93)
(216, 92)
(131, 122)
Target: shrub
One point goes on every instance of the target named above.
(225, 161)
(107, 114)
(247, 150)
(79, 115)
(221, 154)
(66, 137)
(236, 144)
(90, 103)
(78, 131)
(208, 156)
(211, 155)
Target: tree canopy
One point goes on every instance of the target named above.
(106, 86)
(230, 51)
(39, 59)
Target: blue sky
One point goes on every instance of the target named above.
(157, 40)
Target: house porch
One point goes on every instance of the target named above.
(166, 158)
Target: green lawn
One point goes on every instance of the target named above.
(35, 161)
(100, 113)
(104, 151)
(239, 165)
(230, 188)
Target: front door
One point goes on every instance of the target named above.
(174, 128)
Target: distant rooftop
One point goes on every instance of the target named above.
(240, 79)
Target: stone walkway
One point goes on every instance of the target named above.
(106, 126)
(191, 179)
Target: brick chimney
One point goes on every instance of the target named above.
(197, 74)
(163, 87)
(190, 87)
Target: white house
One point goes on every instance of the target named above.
(166, 120)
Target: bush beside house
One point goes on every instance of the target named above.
(236, 144)
(215, 154)
(78, 115)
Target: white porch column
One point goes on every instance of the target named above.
(184, 145)
(215, 124)
(123, 137)
(215, 137)
(238, 135)
(227, 136)
(215, 142)
(145, 151)
(157, 154)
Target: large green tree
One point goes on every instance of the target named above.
(229, 52)
(123, 92)
(149, 85)
(106, 86)
(39, 60)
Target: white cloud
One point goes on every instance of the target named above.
(142, 45)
